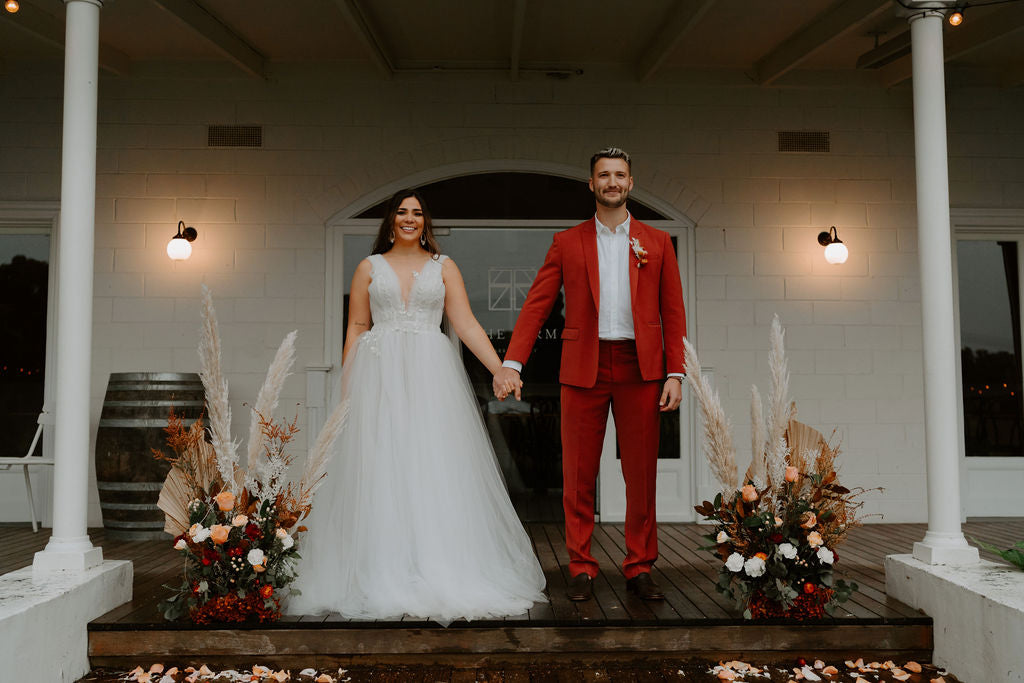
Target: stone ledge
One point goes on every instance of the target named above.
(43, 621)
(978, 611)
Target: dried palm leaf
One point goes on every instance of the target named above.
(804, 440)
(174, 499)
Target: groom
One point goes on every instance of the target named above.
(622, 346)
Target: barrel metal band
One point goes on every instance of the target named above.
(130, 422)
(129, 506)
(129, 485)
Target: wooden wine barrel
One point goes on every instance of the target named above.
(132, 423)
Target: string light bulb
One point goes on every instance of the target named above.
(956, 17)
(12, 6)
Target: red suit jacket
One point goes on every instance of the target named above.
(659, 321)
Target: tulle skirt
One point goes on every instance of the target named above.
(414, 518)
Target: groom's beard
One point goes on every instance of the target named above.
(612, 203)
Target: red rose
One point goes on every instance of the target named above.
(206, 561)
(266, 592)
(777, 537)
(253, 531)
(809, 588)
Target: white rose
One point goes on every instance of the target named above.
(287, 542)
(826, 555)
(280, 533)
(734, 563)
(754, 567)
(181, 544)
(199, 535)
(256, 557)
(787, 550)
(722, 537)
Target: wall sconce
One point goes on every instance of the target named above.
(180, 246)
(835, 251)
(12, 6)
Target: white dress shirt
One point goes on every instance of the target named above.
(615, 312)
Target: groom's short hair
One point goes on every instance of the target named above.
(610, 153)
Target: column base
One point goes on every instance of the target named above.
(67, 555)
(945, 548)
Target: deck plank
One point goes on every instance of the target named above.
(694, 616)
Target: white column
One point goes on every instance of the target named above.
(69, 548)
(944, 542)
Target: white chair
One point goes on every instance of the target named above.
(29, 460)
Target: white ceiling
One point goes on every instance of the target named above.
(766, 42)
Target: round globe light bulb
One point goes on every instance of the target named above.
(179, 249)
(836, 253)
(956, 18)
(12, 6)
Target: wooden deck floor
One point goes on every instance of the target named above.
(693, 621)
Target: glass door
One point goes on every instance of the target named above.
(989, 298)
(24, 293)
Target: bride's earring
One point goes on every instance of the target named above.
(391, 237)
(423, 239)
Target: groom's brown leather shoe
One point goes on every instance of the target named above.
(644, 587)
(580, 588)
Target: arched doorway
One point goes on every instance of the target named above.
(497, 225)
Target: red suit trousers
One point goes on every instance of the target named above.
(635, 408)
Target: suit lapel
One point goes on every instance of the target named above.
(636, 231)
(588, 237)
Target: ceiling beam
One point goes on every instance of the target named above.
(518, 25)
(675, 27)
(845, 17)
(357, 19)
(975, 32)
(889, 51)
(49, 29)
(217, 33)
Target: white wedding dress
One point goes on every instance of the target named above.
(413, 518)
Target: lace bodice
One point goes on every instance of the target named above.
(426, 297)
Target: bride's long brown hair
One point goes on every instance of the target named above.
(384, 241)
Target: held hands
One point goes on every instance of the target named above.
(672, 394)
(506, 381)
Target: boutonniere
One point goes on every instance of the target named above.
(638, 251)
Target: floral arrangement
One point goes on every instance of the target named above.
(777, 533)
(237, 528)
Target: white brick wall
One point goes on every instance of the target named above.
(853, 330)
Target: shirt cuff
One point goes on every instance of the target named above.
(678, 375)
(514, 364)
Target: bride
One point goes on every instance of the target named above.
(413, 517)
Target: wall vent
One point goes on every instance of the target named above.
(804, 141)
(234, 136)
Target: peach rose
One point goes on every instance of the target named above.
(763, 556)
(809, 520)
(240, 520)
(225, 501)
(792, 474)
(219, 533)
(814, 539)
(749, 493)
